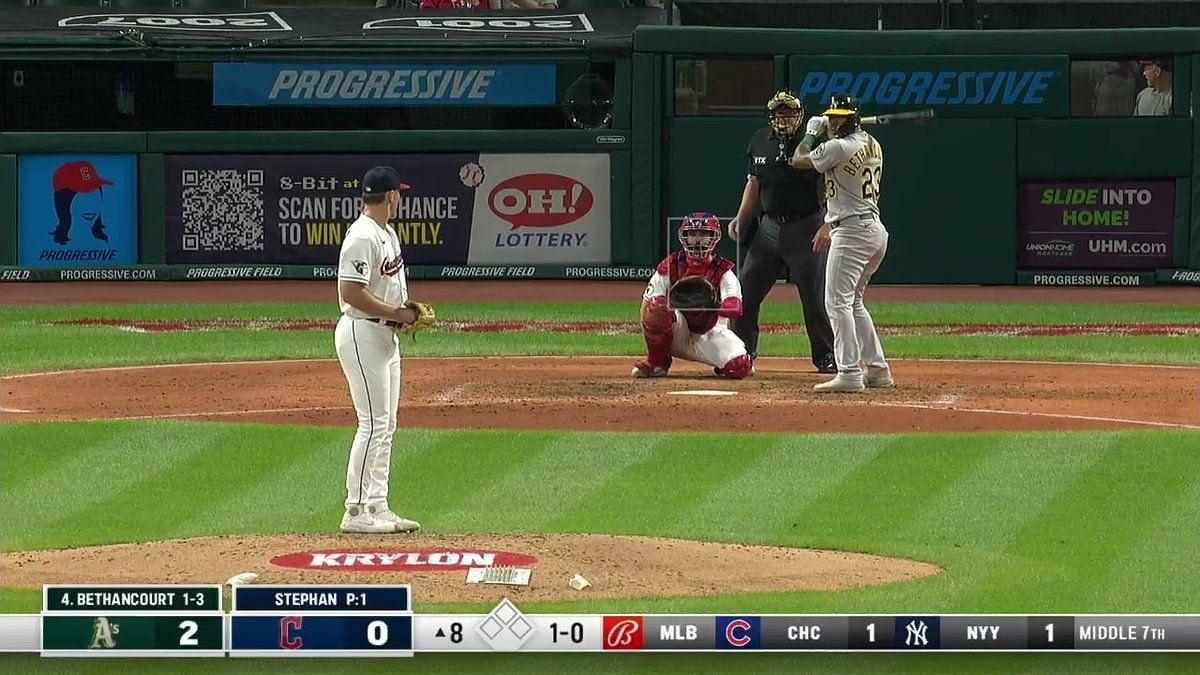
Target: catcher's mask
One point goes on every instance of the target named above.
(699, 234)
(786, 113)
(846, 106)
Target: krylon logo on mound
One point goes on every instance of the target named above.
(429, 560)
(539, 209)
(247, 22)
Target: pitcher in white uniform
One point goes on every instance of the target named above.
(371, 291)
(852, 163)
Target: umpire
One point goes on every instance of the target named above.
(792, 212)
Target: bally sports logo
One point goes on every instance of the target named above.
(624, 632)
(434, 560)
(540, 200)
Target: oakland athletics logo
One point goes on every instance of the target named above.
(102, 634)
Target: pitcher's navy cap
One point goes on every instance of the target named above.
(381, 179)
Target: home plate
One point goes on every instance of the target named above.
(704, 392)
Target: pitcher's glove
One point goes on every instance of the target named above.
(694, 292)
(425, 319)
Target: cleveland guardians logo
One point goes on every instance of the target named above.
(623, 632)
(287, 640)
(78, 198)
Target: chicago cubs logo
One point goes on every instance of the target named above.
(623, 632)
(738, 632)
(286, 625)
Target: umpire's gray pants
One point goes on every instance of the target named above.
(774, 246)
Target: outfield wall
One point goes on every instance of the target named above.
(952, 197)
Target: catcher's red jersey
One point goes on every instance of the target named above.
(719, 272)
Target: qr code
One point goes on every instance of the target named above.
(222, 210)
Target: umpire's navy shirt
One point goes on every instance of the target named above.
(782, 189)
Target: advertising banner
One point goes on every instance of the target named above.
(263, 84)
(1096, 225)
(463, 209)
(955, 86)
(77, 210)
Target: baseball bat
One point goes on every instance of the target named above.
(914, 117)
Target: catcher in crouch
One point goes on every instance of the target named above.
(688, 304)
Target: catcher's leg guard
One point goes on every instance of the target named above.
(657, 322)
(737, 368)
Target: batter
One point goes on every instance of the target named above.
(852, 163)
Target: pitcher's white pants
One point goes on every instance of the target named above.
(370, 358)
(857, 249)
(718, 346)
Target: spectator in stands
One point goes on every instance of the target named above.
(1155, 99)
(531, 4)
(1116, 89)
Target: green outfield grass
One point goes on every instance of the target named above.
(1020, 523)
(31, 344)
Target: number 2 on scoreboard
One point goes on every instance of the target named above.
(188, 638)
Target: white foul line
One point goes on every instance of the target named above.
(1089, 418)
(218, 413)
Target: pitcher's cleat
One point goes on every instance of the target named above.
(358, 521)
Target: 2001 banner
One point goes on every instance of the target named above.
(463, 209)
(1097, 225)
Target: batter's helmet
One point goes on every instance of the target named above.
(786, 113)
(844, 105)
(699, 233)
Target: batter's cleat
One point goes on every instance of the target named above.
(840, 385)
(879, 378)
(358, 521)
(827, 365)
(385, 514)
(645, 369)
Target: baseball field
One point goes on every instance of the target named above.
(1040, 454)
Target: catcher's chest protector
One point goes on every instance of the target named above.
(680, 267)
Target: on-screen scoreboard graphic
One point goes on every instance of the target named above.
(377, 621)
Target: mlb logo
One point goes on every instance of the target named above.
(738, 632)
(624, 632)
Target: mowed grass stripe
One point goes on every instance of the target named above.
(537, 487)
(656, 494)
(885, 495)
(31, 452)
(97, 494)
(274, 479)
(1159, 567)
(789, 475)
(968, 526)
(1056, 563)
(432, 484)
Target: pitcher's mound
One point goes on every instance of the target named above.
(617, 566)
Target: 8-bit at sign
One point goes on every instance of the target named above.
(540, 200)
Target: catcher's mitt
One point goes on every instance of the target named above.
(693, 292)
(425, 318)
